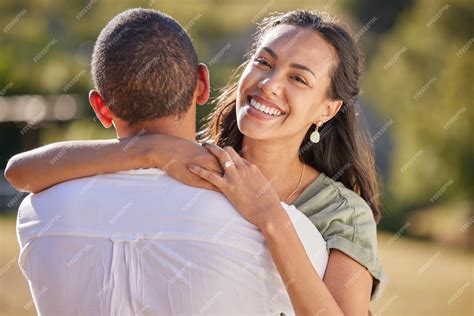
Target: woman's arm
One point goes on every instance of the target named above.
(347, 285)
(308, 293)
(40, 168)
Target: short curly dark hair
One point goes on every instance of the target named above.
(145, 66)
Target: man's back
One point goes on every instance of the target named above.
(139, 242)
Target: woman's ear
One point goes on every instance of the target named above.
(101, 110)
(203, 85)
(330, 109)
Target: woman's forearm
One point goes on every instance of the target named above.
(40, 168)
(308, 293)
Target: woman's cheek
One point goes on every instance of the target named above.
(250, 79)
(299, 114)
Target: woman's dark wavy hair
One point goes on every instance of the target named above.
(345, 152)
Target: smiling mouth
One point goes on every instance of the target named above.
(264, 109)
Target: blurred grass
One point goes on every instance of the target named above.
(425, 278)
(15, 298)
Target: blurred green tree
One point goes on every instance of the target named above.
(421, 78)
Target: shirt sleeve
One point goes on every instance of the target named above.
(348, 225)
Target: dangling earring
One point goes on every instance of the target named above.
(315, 135)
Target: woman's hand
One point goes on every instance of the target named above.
(243, 184)
(182, 153)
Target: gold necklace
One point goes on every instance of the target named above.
(298, 186)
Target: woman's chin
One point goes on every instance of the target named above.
(250, 130)
(255, 127)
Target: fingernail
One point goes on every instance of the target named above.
(192, 166)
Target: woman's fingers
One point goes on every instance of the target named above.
(246, 162)
(209, 176)
(209, 162)
(223, 156)
(204, 184)
(238, 161)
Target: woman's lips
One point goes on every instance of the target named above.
(265, 103)
(255, 113)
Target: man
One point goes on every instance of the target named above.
(139, 242)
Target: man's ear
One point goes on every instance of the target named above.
(203, 85)
(101, 110)
(329, 110)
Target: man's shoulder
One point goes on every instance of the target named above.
(139, 193)
(85, 188)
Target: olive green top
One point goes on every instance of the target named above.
(346, 222)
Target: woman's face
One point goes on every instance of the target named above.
(282, 91)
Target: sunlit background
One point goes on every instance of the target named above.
(416, 100)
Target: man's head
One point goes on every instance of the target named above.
(145, 68)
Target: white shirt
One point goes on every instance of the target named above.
(142, 243)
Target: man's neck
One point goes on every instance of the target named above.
(184, 127)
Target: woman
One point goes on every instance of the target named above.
(289, 114)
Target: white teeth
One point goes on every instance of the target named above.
(264, 109)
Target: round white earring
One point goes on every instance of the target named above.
(315, 136)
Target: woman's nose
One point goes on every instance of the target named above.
(270, 86)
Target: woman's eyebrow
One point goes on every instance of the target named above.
(271, 52)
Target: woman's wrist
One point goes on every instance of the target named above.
(274, 221)
(154, 151)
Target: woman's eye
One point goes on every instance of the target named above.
(299, 79)
(263, 62)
